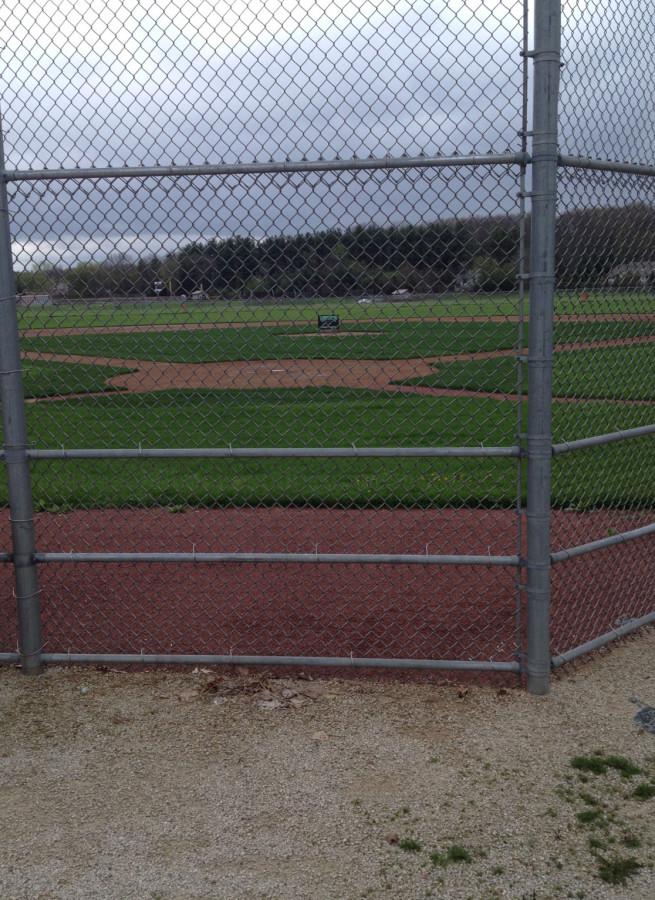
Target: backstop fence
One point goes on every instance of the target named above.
(326, 332)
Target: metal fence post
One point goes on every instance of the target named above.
(546, 56)
(15, 445)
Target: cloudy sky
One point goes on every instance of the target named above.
(125, 82)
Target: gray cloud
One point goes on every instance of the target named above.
(330, 80)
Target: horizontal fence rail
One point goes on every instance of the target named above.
(348, 662)
(271, 452)
(167, 236)
(606, 165)
(270, 168)
(601, 439)
(327, 452)
(391, 559)
(602, 543)
(602, 640)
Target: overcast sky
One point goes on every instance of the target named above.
(124, 82)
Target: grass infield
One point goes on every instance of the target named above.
(47, 379)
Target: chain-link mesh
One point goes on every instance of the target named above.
(606, 280)
(132, 83)
(356, 308)
(8, 632)
(608, 71)
(232, 356)
(304, 282)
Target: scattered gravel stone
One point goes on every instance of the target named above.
(138, 796)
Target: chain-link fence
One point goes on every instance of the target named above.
(283, 278)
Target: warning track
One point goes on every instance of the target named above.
(316, 609)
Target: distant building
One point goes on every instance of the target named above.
(639, 273)
(468, 280)
(60, 290)
(34, 300)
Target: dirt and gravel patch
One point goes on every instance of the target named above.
(241, 784)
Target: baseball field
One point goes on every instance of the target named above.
(431, 372)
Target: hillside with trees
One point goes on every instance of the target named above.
(474, 254)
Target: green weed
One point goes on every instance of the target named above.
(644, 791)
(410, 845)
(618, 870)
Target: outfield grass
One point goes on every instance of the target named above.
(47, 379)
(108, 313)
(397, 341)
(392, 341)
(627, 373)
(322, 417)
(168, 311)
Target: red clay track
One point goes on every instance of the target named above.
(326, 610)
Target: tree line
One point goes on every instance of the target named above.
(475, 254)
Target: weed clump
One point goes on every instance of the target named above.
(410, 845)
(594, 764)
(454, 854)
(589, 816)
(598, 764)
(644, 791)
(618, 869)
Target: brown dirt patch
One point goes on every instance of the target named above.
(374, 374)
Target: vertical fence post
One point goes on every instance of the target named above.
(546, 57)
(15, 445)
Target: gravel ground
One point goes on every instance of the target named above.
(161, 785)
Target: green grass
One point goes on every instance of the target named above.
(618, 869)
(269, 418)
(604, 820)
(590, 816)
(319, 417)
(396, 341)
(625, 766)
(599, 302)
(627, 373)
(598, 764)
(644, 791)
(632, 841)
(389, 341)
(46, 379)
(168, 311)
(410, 845)
(454, 854)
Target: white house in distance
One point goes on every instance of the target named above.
(633, 274)
(33, 300)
